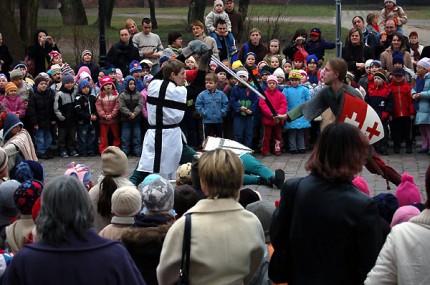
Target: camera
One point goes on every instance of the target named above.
(300, 40)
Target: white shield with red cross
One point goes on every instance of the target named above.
(357, 112)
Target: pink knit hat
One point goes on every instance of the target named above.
(407, 192)
(404, 214)
(361, 184)
(272, 78)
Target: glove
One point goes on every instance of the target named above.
(204, 60)
(195, 46)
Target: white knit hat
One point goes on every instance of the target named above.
(242, 73)
(424, 62)
(126, 201)
(279, 73)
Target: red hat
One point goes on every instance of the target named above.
(316, 32)
(53, 54)
(298, 56)
(106, 80)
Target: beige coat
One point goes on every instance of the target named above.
(387, 60)
(227, 245)
(99, 221)
(17, 234)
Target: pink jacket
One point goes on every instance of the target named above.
(15, 106)
(108, 108)
(144, 93)
(279, 103)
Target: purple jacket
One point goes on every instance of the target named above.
(94, 261)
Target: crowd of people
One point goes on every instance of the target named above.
(160, 104)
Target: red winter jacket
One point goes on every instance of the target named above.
(403, 103)
(279, 103)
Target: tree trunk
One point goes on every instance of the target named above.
(152, 14)
(73, 12)
(243, 7)
(10, 35)
(109, 11)
(28, 11)
(196, 11)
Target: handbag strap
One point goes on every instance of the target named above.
(186, 249)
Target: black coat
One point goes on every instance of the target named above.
(334, 235)
(353, 54)
(40, 109)
(121, 55)
(7, 60)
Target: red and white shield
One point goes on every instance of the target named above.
(357, 112)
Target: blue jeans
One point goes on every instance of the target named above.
(242, 130)
(296, 138)
(130, 137)
(43, 140)
(86, 138)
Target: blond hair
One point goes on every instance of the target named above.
(221, 173)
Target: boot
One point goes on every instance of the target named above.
(279, 178)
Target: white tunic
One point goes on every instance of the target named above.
(171, 142)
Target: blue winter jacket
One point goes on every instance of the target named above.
(296, 96)
(423, 112)
(242, 96)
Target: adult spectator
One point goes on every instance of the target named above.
(218, 255)
(198, 30)
(225, 51)
(397, 46)
(68, 242)
(325, 230)
(132, 28)
(405, 248)
(356, 53)
(369, 38)
(236, 20)
(149, 45)
(123, 52)
(253, 45)
(174, 40)
(39, 51)
(5, 58)
(385, 38)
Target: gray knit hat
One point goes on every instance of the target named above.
(158, 195)
(7, 202)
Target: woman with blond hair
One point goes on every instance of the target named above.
(231, 251)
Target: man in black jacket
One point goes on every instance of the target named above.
(122, 53)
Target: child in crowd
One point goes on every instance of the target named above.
(420, 95)
(275, 62)
(3, 82)
(372, 20)
(398, 63)
(185, 198)
(403, 111)
(13, 103)
(407, 192)
(296, 94)
(250, 62)
(56, 58)
(269, 122)
(381, 100)
(25, 89)
(18, 233)
(64, 108)
(210, 20)
(130, 108)
(126, 203)
(312, 69)
(280, 75)
(57, 78)
(183, 174)
(222, 83)
(299, 60)
(274, 50)
(287, 66)
(191, 63)
(40, 115)
(393, 12)
(416, 48)
(81, 172)
(86, 115)
(317, 46)
(213, 105)
(212, 66)
(26, 76)
(87, 60)
(244, 104)
(136, 72)
(107, 106)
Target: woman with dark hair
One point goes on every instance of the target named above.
(398, 45)
(69, 251)
(355, 53)
(324, 229)
(229, 253)
(406, 248)
(298, 43)
(39, 51)
(113, 176)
